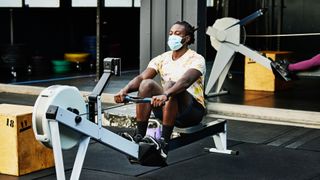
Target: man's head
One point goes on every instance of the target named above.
(181, 33)
(188, 30)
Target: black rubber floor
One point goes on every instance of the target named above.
(255, 161)
(266, 151)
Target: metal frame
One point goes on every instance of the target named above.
(89, 130)
(225, 38)
(87, 127)
(217, 129)
(111, 66)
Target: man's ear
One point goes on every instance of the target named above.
(186, 39)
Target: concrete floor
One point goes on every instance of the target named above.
(266, 151)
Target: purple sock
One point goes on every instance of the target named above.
(306, 64)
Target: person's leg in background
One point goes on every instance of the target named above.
(284, 69)
(306, 64)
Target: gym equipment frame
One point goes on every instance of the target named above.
(225, 38)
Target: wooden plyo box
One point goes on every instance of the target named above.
(20, 152)
(257, 77)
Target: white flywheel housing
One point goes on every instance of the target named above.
(224, 34)
(63, 97)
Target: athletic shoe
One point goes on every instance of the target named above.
(152, 152)
(163, 148)
(280, 69)
(136, 138)
(160, 145)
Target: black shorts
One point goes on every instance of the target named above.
(190, 115)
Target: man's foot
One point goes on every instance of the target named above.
(136, 138)
(280, 69)
(163, 148)
(160, 145)
(153, 152)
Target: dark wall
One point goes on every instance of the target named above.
(282, 17)
(51, 32)
(302, 16)
(212, 14)
(123, 30)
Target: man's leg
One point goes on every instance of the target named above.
(147, 88)
(169, 114)
(171, 110)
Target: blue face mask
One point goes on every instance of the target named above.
(174, 42)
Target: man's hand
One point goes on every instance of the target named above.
(119, 97)
(159, 100)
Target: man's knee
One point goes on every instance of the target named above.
(147, 85)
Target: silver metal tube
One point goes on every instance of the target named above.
(11, 26)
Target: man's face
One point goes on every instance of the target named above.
(178, 30)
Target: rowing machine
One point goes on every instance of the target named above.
(225, 38)
(62, 119)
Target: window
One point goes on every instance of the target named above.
(210, 3)
(107, 3)
(84, 3)
(42, 3)
(137, 3)
(11, 3)
(118, 3)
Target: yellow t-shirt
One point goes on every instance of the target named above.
(172, 70)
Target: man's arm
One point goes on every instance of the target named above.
(134, 84)
(184, 82)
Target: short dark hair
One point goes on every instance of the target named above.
(189, 30)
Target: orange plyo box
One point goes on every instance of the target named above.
(259, 78)
(20, 152)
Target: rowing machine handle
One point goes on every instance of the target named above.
(137, 99)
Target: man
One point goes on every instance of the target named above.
(179, 100)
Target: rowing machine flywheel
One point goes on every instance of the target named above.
(64, 97)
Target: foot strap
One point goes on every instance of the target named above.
(149, 155)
